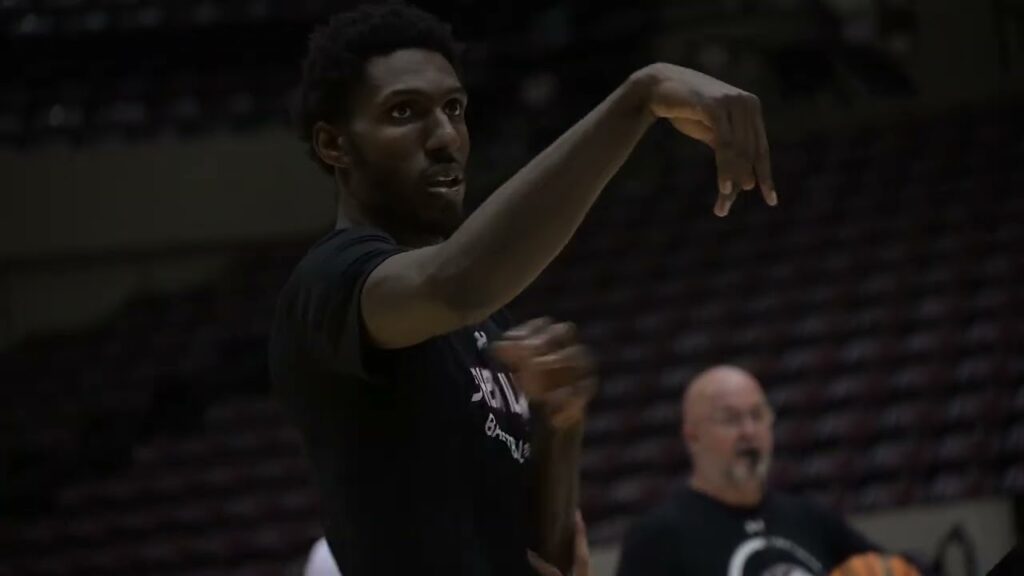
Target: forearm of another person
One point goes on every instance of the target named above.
(556, 456)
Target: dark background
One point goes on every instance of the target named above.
(154, 200)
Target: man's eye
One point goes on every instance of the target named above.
(401, 112)
(454, 108)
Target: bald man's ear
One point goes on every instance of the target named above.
(689, 434)
(331, 145)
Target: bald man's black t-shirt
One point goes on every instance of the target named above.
(693, 534)
(419, 453)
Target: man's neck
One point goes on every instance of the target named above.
(347, 210)
(409, 240)
(741, 497)
(350, 214)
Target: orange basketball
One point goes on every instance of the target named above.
(875, 564)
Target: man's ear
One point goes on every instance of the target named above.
(331, 145)
(688, 433)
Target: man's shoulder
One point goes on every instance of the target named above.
(659, 530)
(803, 506)
(785, 497)
(791, 501)
(355, 233)
(791, 498)
(340, 249)
(336, 261)
(670, 513)
(351, 239)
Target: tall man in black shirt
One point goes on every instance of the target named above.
(724, 521)
(390, 346)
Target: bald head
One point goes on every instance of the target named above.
(727, 427)
(717, 381)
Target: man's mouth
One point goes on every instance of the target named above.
(445, 183)
(444, 178)
(752, 456)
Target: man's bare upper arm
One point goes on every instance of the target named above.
(404, 301)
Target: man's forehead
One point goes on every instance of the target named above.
(725, 387)
(737, 399)
(411, 70)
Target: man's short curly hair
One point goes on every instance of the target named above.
(336, 60)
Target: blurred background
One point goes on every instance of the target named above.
(154, 200)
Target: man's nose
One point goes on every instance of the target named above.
(443, 136)
(748, 428)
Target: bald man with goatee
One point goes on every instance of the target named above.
(723, 520)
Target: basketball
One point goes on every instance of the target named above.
(875, 564)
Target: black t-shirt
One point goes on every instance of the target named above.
(419, 453)
(694, 535)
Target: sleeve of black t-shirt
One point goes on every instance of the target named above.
(327, 297)
(503, 319)
(649, 548)
(845, 540)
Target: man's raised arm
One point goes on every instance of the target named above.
(505, 244)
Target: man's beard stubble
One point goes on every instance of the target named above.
(404, 211)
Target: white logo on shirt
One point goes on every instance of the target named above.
(799, 563)
(489, 392)
(481, 340)
(520, 450)
(754, 526)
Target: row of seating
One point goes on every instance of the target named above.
(50, 18)
(879, 305)
(236, 499)
(886, 327)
